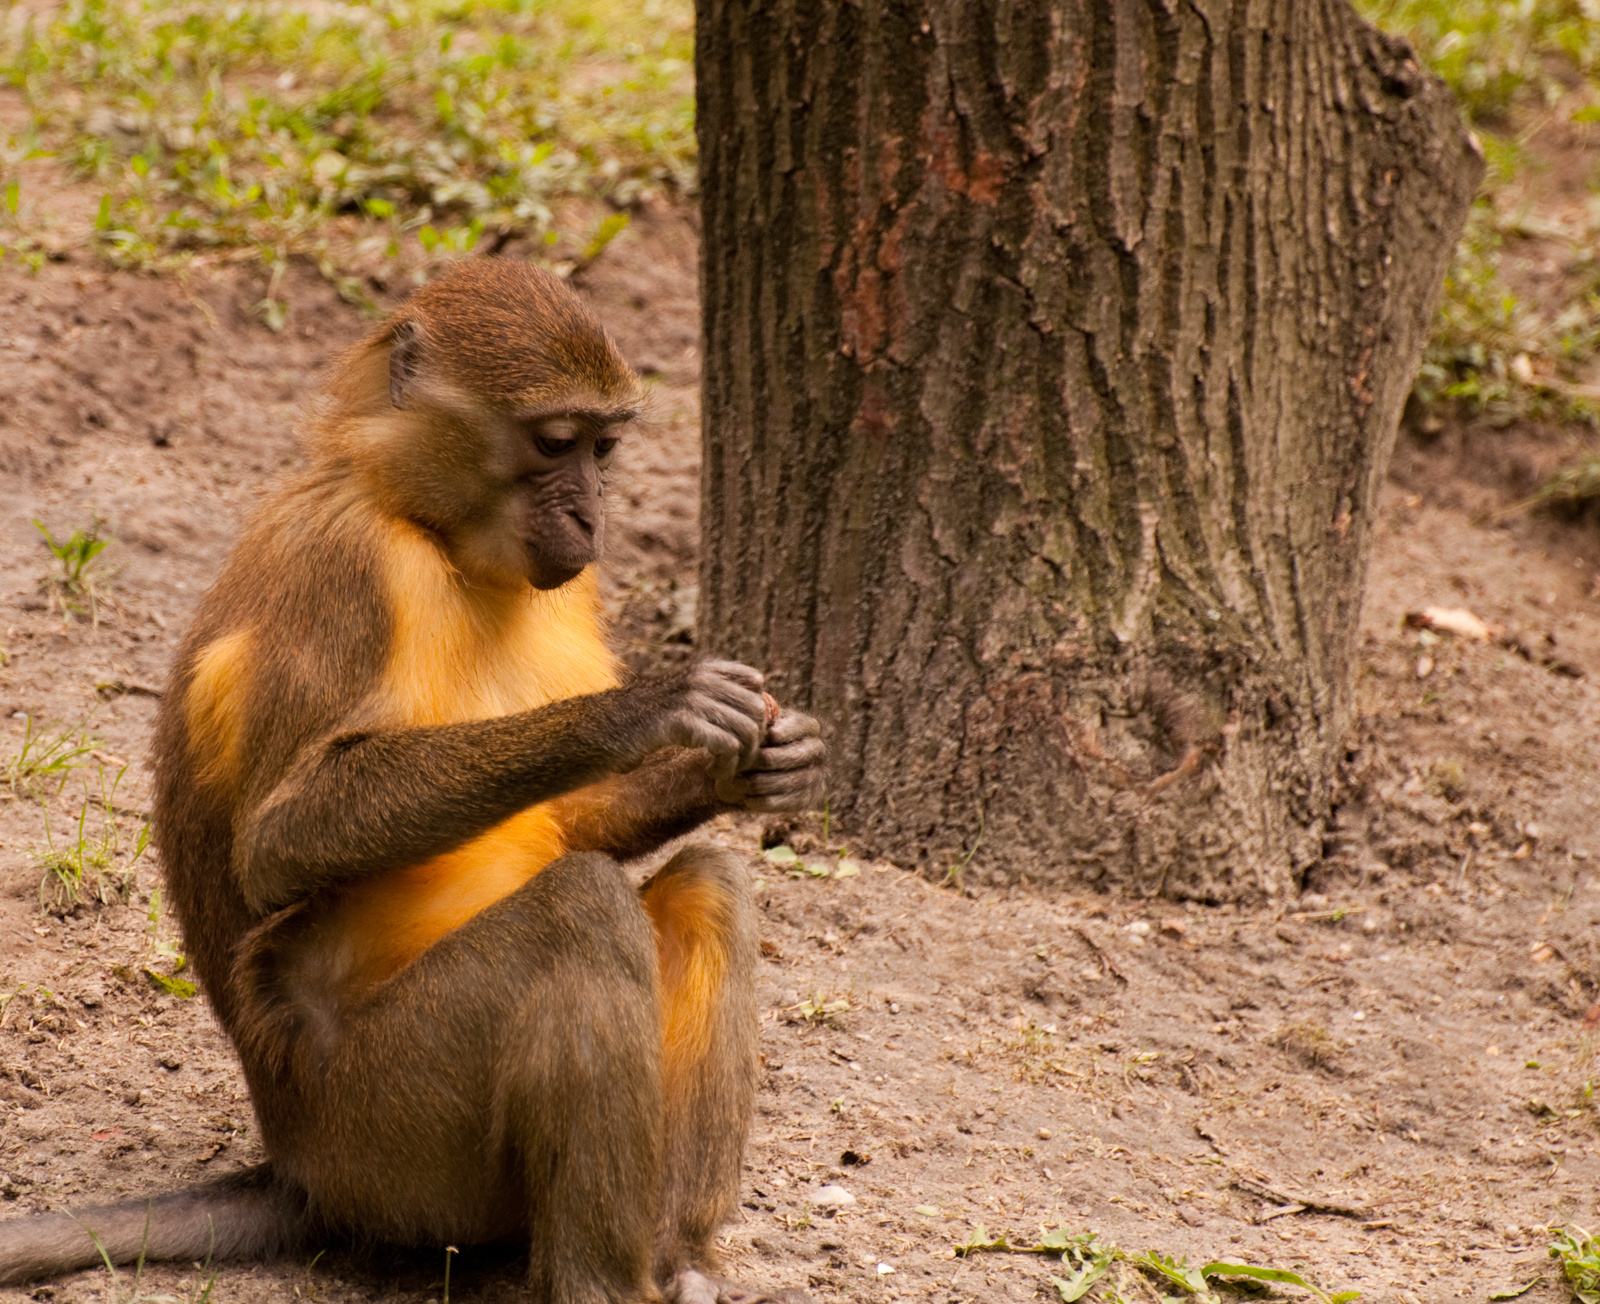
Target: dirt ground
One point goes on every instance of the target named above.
(1390, 1086)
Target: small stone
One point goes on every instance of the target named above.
(1044, 1134)
(832, 1196)
(1138, 928)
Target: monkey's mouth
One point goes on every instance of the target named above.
(550, 567)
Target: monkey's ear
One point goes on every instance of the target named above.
(405, 360)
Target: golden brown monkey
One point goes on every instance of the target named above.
(396, 775)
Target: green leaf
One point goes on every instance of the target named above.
(1259, 1274)
(781, 856)
(182, 988)
(1515, 1292)
(274, 312)
(1082, 1281)
(1175, 1270)
(980, 1240)
(604, 234)
(1590, 114)
(13, 190)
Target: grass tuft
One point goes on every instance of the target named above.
(85, 870)
(46, 756)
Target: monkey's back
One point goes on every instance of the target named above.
(294, 619)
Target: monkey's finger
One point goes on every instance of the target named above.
(744, 700)
(792, 756)
(740, 712)
(729, 718)
(787, 802)
(692, 729)
(791, 726)
(746, 676)
(778, 783)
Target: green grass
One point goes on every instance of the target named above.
(1497, 54)
(83, 868)
(350, 134)
(376, 138)
(46, 756)
(1517, 66)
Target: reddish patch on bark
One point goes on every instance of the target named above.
(986, 179)
(859, 286)
(982, 182)
(873, 310)
(875, 417)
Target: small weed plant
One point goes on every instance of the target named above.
(84, 870)
(75, 586)
(1099, 1270)
(1578, 1254)
(163, 961)
(133, 1292)
(47, 757)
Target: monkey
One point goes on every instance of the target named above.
(397, 778)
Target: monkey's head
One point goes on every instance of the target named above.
(486, 410)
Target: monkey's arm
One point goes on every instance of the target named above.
(629, 815)
(633, 814)
(359, 801)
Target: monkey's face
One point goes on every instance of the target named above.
(547, 521)
(511, 482)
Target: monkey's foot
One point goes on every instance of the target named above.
(692, 1287)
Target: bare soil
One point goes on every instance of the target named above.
(1389, 1085)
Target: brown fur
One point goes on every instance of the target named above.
(395, 775)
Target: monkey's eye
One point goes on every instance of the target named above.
(553, 445)
(604, 446)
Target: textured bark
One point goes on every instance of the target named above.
(1053, 357)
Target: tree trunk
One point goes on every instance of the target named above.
(1054, 351)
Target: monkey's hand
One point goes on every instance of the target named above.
(716, 706)
(786, 772)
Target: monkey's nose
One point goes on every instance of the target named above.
(583, 521)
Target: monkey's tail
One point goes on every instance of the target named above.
(249, 1214)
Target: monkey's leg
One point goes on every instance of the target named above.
(505, 1084)
(707, 943)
